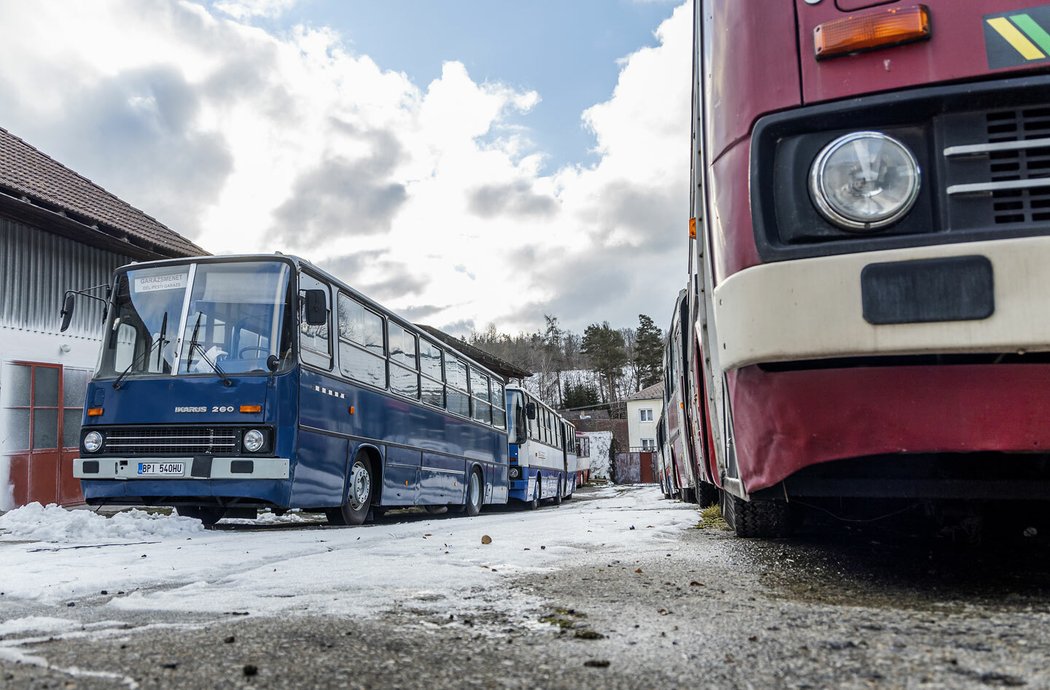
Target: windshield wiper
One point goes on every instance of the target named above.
(194, 345)
(145, 355)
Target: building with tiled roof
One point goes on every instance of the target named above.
(58, 231)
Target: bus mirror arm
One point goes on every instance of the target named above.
(69, 302)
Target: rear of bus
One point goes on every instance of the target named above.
(875, 205)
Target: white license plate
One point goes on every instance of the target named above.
(161, 469)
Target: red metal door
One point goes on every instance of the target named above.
(43, 426)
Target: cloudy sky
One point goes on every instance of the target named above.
(463, 162)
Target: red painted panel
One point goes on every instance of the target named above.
(69, 492)
(786, 421)
(956, 50)
(854, 5)
(647, 475)
(19, 477)
(43, 476)
(729, 217)
(749, 55)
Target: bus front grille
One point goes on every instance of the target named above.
(1013, 184)
(172, 441)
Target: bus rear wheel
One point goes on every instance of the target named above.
(557, 497)
(473, 504)
(358, 498)
(208, 515)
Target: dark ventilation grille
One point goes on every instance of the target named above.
(172, 441)
(1029, 205)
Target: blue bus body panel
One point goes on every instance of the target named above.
(425, 447)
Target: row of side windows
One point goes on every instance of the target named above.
(404, 364)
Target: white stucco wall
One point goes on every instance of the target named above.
(637, 429)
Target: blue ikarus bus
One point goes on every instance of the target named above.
(543, 455)
(229, 384)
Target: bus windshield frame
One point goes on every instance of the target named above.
(197, 318)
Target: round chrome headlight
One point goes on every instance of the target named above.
(254, 440)
(515, 473)
(92, 441)
(864, 181)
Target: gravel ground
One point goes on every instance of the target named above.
(831, 608)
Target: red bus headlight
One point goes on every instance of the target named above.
(864, 181)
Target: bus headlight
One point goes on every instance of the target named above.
(254, 440)
(864, 181)
(515, 472)
(92, 441)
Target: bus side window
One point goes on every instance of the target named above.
(361, 351)
(315, 346)
(456, 397)
(499, 410)
(430, 366)
(404, 372)
(479, 393)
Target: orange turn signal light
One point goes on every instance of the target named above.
(251, 409)
(692, 228)
(883, 29)
(95, 411)
(351, 409)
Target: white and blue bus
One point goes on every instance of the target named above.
(230, 384)
(542, 450)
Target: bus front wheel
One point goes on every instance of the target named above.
(208, 515)
(535, 502)
(358, 497)
(557, 496)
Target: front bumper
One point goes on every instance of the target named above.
(811, 309)
(193, 468)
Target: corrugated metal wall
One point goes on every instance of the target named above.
(37, 267)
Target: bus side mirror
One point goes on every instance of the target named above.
(530, 410)
(273, 362)
(67, 310)
(316, 308)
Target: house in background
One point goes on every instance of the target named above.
(58, 231)
(643, 409)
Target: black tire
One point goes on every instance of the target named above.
(689, 495)
(474, 495)
(436, 510)
(706, 495)
(358, 499)
(535, 502)
(756, 519)
(208, 515)
(557, 498)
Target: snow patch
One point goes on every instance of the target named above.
(54, 524)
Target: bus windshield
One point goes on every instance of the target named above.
(196, 319)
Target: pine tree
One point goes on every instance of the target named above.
(648, 352)
(604, 346)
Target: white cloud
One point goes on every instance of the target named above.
(245, 9)
(247, 141)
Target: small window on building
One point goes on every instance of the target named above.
(648, 444)
(647, 414)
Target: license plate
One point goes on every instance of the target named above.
(161, 468)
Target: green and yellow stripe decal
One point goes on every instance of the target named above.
(1024, 34)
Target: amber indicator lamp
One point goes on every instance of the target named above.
(251, 409)
(884, 29)
(95, 412)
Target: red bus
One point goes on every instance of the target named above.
(871, 262)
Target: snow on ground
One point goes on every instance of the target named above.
(158, 562)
